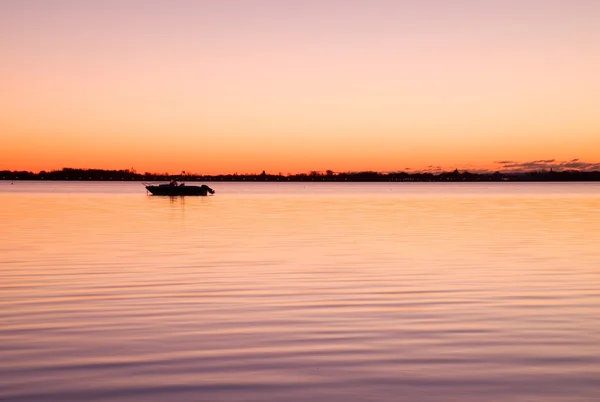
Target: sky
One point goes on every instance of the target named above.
(243, 86)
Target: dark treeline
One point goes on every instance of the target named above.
(328, 176)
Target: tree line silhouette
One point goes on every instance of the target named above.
(327, 176)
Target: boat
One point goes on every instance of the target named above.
(175, 189)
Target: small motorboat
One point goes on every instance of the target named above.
(174, 189)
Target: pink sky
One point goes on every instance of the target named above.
(291, 86)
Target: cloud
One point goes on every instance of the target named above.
(580, 165)
(432, 169)
(547, 164)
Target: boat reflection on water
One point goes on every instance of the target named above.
(176, 189)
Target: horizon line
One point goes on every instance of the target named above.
(434, 171)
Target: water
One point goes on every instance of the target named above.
(297, 291)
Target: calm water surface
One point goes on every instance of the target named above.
(297, 292)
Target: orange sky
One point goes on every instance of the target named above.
(233, 86)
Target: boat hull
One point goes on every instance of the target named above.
(180, 190)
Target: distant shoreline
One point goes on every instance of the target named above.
(68, 174)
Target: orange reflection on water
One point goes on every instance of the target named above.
(336, 290)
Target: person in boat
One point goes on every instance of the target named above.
(173, 183)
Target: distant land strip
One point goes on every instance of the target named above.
(327, 176)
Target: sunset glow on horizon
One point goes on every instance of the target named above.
(293, 86)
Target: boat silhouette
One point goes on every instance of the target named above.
(174, 189)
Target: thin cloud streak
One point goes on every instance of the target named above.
(547, 164)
